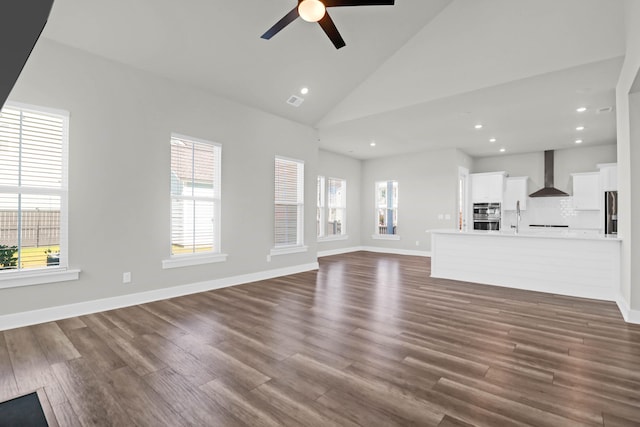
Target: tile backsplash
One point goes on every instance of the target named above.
(553, 211)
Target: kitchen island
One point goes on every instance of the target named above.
(563, 262)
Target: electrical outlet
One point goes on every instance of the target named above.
(126, 277)
(440, 216)
(447, 216)
(268, 258)
(417, 242)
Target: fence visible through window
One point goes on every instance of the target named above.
(33, 181)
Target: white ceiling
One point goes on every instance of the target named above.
(414, 76)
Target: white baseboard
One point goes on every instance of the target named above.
(373, 249)
(629, 315)
(17, 320)
(396, 251)
(339, 251)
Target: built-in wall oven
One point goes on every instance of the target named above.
(610, 212)
(486, 216)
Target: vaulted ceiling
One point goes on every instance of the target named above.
(415, 76)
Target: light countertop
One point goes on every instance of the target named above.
(536, 234)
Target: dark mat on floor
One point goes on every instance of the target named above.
(23, 411)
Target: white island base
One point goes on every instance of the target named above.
(561, 263)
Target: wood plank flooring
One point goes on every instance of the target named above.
(368, 340)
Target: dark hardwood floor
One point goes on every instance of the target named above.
(369, 340)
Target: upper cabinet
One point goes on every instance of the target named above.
(487, 187)
(516, 189)
(586, 191)
(608, 176)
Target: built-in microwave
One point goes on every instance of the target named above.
(486, 216)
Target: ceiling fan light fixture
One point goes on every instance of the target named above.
(311, 10)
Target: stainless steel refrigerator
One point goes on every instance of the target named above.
(611, 212)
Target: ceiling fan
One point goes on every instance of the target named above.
(315, 11)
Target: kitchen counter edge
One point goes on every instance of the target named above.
(526, 234)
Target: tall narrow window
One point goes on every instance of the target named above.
(332, 214)
(337, 206)
(289, 202)
(320, 214)
(33, 189)
(195, 196)
(386, 208)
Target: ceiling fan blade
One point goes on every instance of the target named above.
(338, 3)
(286, 20)
(330, 29)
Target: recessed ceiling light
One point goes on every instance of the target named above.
(578, 141)
(304, 90)
(372, 143)
(478, 126)
(581, 109)
(502, 150)
(492, 140)
(580, 128)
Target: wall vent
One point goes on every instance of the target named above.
(296, 101)
(603, 110)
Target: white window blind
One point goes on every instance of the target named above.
(33, 188)
(386, 207)
(289, 202)
(195, 196)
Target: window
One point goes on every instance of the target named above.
(386, 209)
(331, 219)
(33, 193)
(289, 204)
(321, 208)
(195, 201)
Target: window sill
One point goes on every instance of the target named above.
(188, 260)
(332, 238)
(37, 277)
(385, 237)
(284, 250)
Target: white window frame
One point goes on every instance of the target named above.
(61, 272)
(320, 210)
(299, 246)
(207, 257)
(325, 207)
(376, 234)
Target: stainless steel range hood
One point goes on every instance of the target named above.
(549, 190)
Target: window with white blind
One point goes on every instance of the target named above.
(386, 210)
(288, 206)
(33, 195)
(195, 202)
(332, 208)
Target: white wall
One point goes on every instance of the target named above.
(427, 187)
(333, 165)
(628, 131)
(567, 161)
(120, 125)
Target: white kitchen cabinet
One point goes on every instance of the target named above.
(515, 189)
(586, 191)
(487, 187)
(608, 176)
